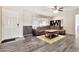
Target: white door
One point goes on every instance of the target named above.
(11, 24)
(77, 28)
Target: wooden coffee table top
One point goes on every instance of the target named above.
(50, 30)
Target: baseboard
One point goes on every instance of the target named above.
(8, 40)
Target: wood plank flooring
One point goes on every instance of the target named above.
(32, 44)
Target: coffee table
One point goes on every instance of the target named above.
(51, 33)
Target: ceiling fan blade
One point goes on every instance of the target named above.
(61, 8)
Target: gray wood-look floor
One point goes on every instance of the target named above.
(77, 44)
(32, 44)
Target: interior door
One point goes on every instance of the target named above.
(11, 24)
(77, 28)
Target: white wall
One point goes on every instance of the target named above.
(0, 23)
(68, 21)
(27, 18)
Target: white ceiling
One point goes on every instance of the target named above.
(44, 10)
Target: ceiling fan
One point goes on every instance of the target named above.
(57, 8)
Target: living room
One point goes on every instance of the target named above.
(25, 27)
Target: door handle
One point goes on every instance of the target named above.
(17, 24)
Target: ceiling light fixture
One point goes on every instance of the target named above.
(55, 11)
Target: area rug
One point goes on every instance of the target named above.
(51, 41)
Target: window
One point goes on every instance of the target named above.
(39, 22)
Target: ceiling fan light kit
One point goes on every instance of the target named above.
(55, 11)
